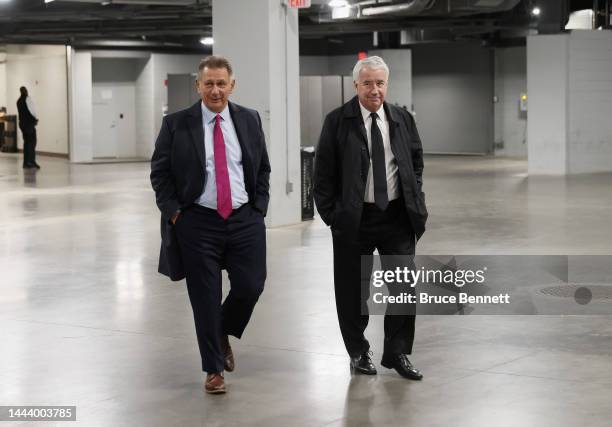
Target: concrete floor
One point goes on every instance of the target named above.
(87, 321)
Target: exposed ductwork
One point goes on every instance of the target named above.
(391, 8)
(138, 2)
(413, 7)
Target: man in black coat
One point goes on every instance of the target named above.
(27, 124)
(368, 189)
(211, 176)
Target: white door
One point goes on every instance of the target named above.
(114, 120)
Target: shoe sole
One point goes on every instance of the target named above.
(220, 391)
(354, 371)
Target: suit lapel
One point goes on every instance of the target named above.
(394, 135)
(196, 129)
(353, 111)
(240, 120)
(242, 131)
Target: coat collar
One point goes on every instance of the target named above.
(352, 110)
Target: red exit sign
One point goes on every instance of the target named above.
(299, 4)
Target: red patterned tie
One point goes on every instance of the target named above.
(224, 191)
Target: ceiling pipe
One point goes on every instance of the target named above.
(135, 2)
(412, 8)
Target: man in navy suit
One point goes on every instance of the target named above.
(211, 176)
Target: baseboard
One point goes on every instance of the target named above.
(48, 154)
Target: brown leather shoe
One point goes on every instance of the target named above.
(228, 354)
(215, 383)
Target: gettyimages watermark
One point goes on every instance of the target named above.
(486, 284)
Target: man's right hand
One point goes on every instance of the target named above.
(175, 217)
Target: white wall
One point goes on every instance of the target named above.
(145, 120)
(151, 95)
(42, 69)
(3, 100)
(590, 101)
(510, 82)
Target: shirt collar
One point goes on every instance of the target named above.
(209, 116)
(366, 113)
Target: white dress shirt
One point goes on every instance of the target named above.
(390, 163)
(30, 105)
(233, 154)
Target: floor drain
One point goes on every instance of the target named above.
(598, 291)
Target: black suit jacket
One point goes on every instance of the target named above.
(342, 161)
(178, 170)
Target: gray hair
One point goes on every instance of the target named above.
(216, 61)
(373, 62)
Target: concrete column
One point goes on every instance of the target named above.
(569, 86)
(260, 38)
(80, 107)
(547, 91)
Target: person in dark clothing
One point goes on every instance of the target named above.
(27, 124)
(368, 182)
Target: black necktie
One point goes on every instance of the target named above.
(379, 170)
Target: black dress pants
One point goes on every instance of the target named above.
(29, 146)
(209, 244)
(390, 233)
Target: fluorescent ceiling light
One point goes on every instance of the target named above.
(338, 3)
(536, 11)
(341, 12)
(49, 1)
(208, 41)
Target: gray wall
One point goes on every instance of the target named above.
(451, 91)
(510, 82)
(453, 97)
(117, 69)
(318, 96)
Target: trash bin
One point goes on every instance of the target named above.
(8, 137)
(307, 155)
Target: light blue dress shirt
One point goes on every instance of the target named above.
(233, 154)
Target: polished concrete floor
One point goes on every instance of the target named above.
(86, 320)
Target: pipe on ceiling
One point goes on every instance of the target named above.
(413, 7)
(136, 2)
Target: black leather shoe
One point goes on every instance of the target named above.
(402, 365)
(363, 364)
(36, 165)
